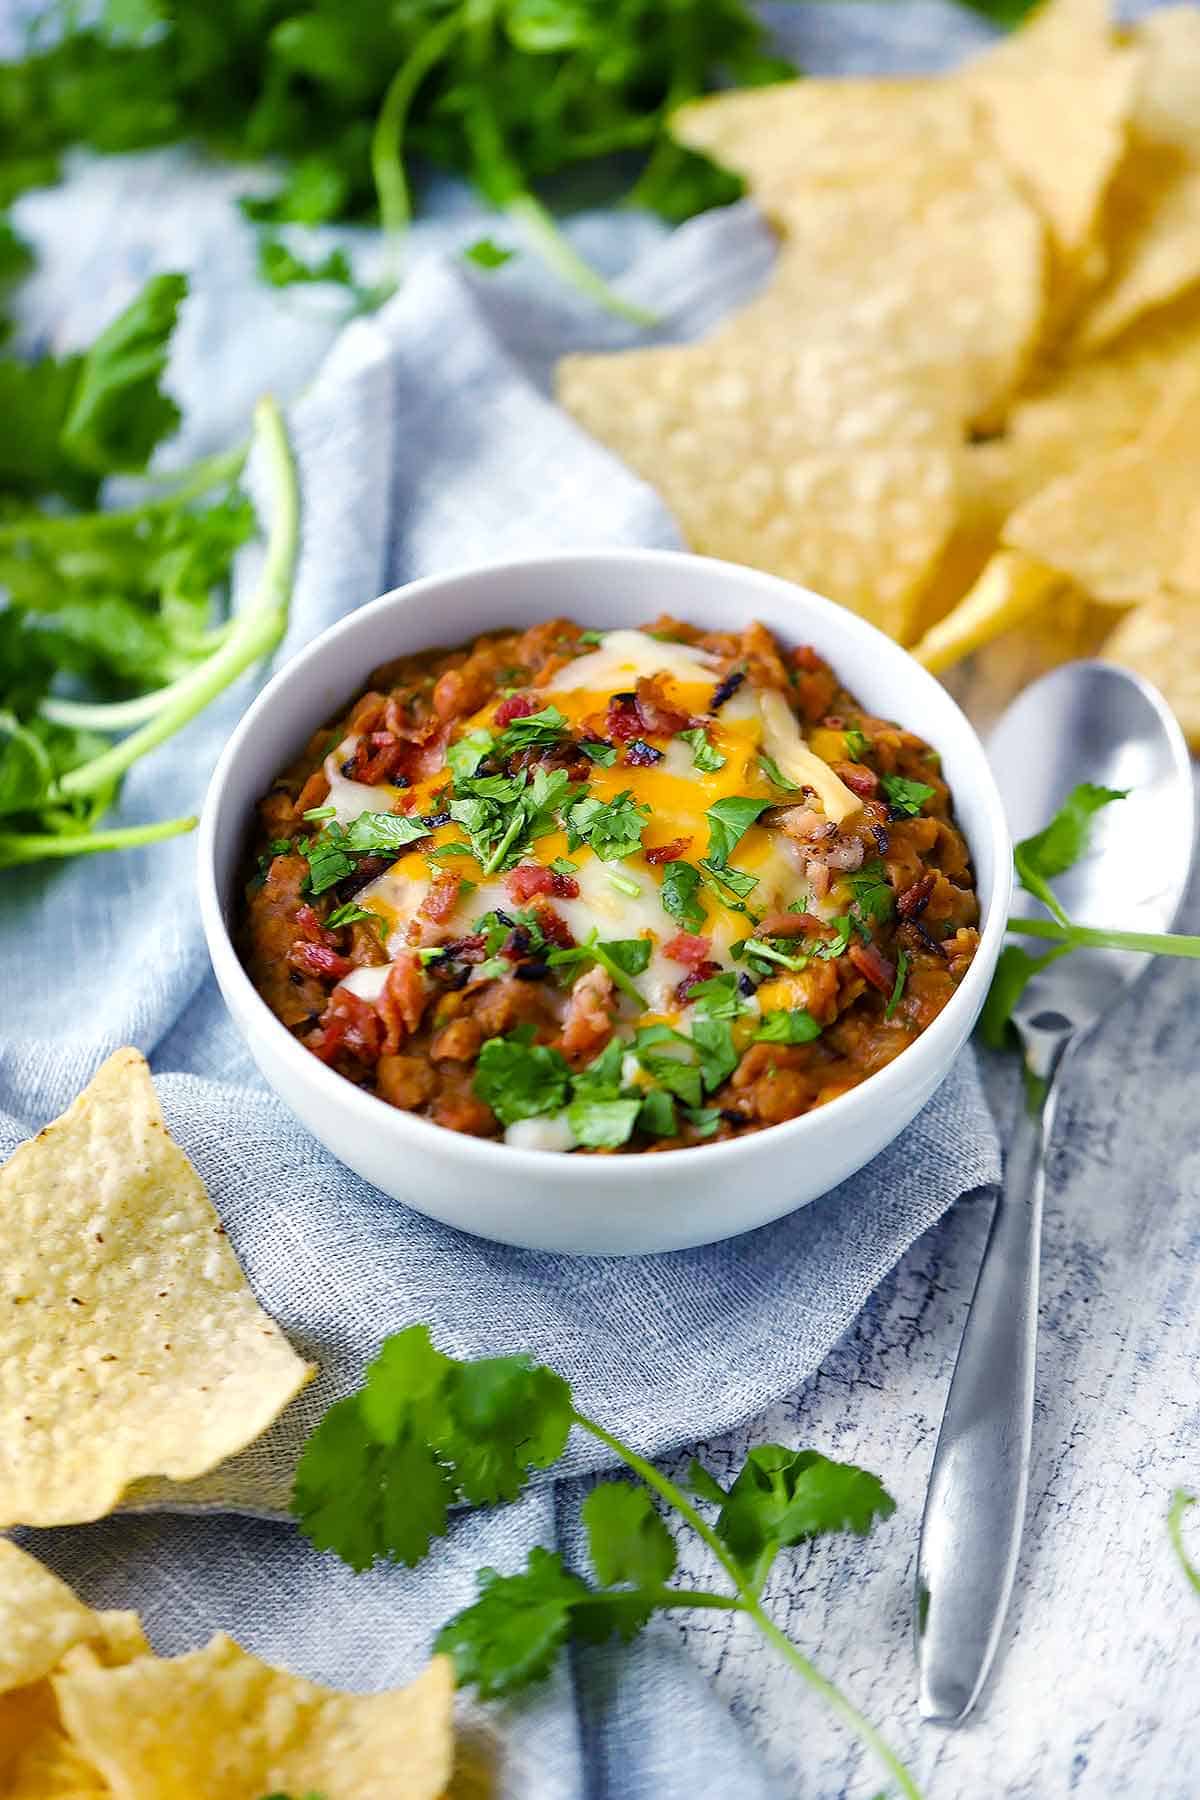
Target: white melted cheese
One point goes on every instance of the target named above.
(550, 1133)
(783, 743)
(617, 663)
(368, 983)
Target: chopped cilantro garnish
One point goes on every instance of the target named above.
(703, 1119)
(657, 1117)
(713, 1038)
(796, 1027)
(601, 1079)
(320, 812)
(603, 1124)
(906, 796)
(705, 755)
(464, 757)
(720, 996)
(624, 885)
(353, 914)
(519, 1079)
(727, 880)
(902, 965)
(612, 829)
(486, 253)
(622, 957)
(377, 834)
(775, 775)
(678, 895)
(858, 744)
(562, 865)
(591, 637)
(729, 820)
(1058, 847)
(597, 751)
(873, 897)
(328, 861)
(765, 952)
(545, 727)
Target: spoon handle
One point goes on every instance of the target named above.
(971, 1530)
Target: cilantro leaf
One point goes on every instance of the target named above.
(519, 1079)
(873, 896)
(705, 755)
(797, 1027)
(781, 1497)
(605, 755)
(1060, 844)
(485, 253)
(775, 775)
(601, 1079)
(377, 833)
(729, 820)
(512, 1633)
(1015, 969)
(713, 1039)
(612, 829)
(280, 267)
(657, 1117)
(703, 1119)
(680, 883)
(627, 1540)
(725, 881)
(906, 796)
(465, 755)
(902, 967)
(545, 727)
(118, 413)
(1181, 1500)
(603, 1124)
(858, 744)
(720, 996)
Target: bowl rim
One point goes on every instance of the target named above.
(933, 1047)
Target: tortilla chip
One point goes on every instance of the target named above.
(1161, 641)
(839, 133)
(130, 1342)
(1009, 589)
(1154, 218)
(724, 401)
(1056, 97)
(40, 1618)
(47, 1765)
(220, 1723)
(945, 278)
(1126, 526)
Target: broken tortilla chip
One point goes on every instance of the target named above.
(1161, 641)
(218, 1722)
(1154, 217)
(1126, 526)
(40, 1618)
(1010, 587)
(130, 1341)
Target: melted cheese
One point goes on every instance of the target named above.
(676, 793)
(787, 749)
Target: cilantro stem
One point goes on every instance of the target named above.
(255, 632)
(620, 978)
(748, 1603)
(201, 478)
(30, 847)
(1154, 943)
(1181, 1500)
(558, 254)
(387, 140)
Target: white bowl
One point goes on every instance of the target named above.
(585, 1204)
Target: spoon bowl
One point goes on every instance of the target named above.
(1094, 722)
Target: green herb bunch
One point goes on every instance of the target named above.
(427, 1433)
(340, 92)
(111, 634)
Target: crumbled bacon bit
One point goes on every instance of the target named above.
(402, 1001)
(517, 706)
(873, 966)
(555, 929)
(528, 879)
(311, 928)
(726, 688)
(658, 716)
(350, 1024)
(702, 972)
(860, 780)
(913, 901)
(623, 721)
(808, 659)
(793, 924)
(687, 948)
(442, 897)
(588, 1024)
(666, 853)
(319, 960)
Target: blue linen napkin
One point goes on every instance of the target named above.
(429, 440)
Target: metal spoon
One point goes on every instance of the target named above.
(1087, 721)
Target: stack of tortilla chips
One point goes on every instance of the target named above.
(967, 404)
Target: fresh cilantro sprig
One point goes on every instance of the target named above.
(427, 1432)
(1038, 859)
